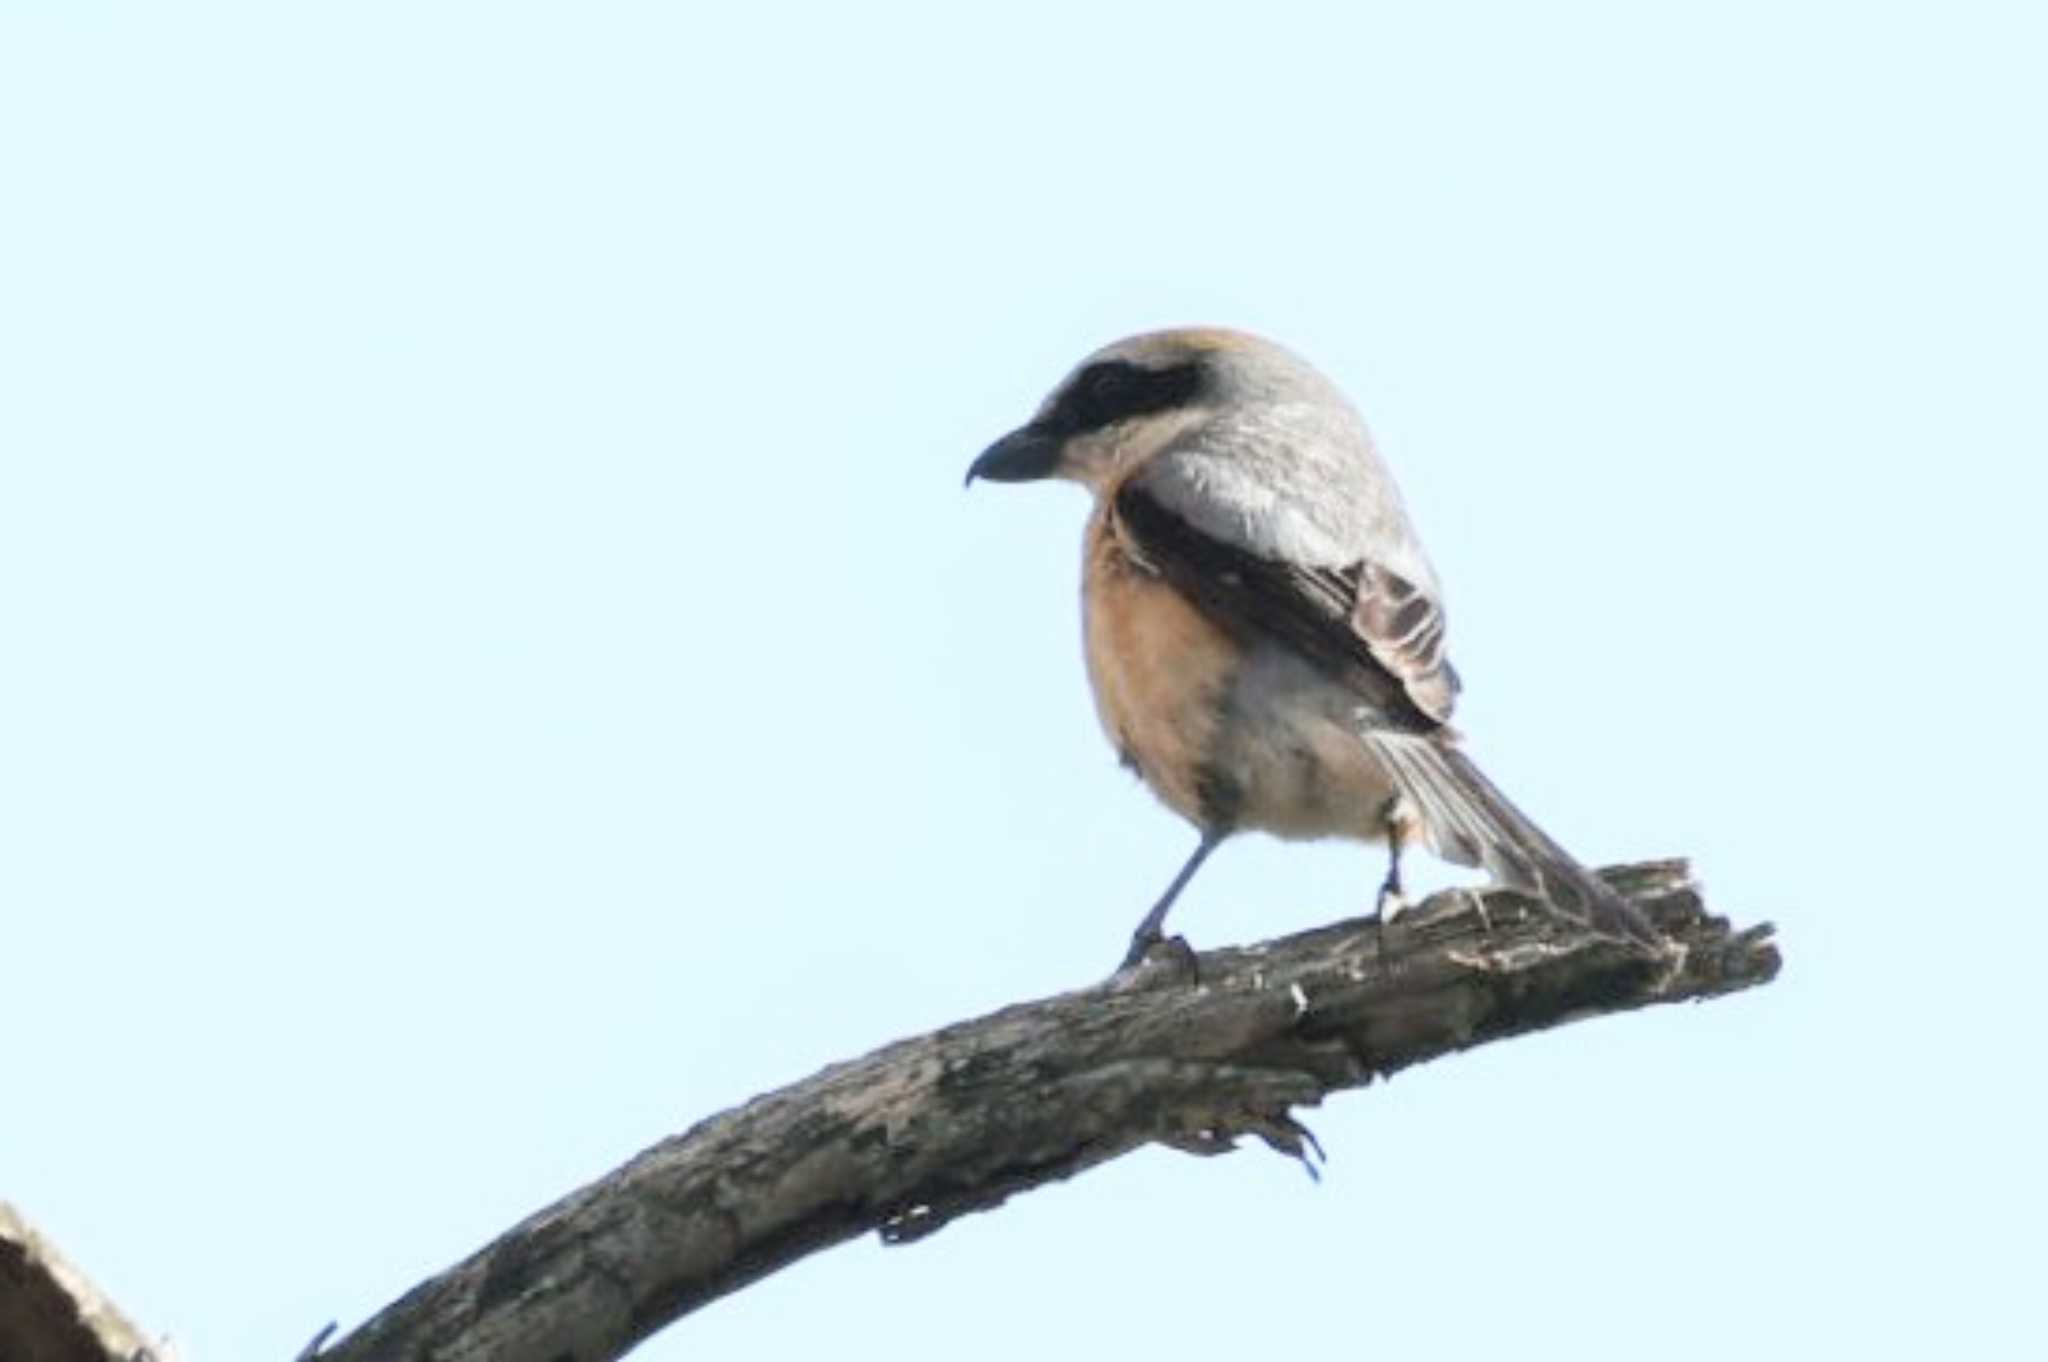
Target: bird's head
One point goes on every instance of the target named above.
(1128, 400)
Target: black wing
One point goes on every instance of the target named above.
(1364, 624)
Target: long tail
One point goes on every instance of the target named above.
(1468, 820)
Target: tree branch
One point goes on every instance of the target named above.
(49, 1312)
(1190, 1051)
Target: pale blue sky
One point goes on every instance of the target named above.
(499, 665)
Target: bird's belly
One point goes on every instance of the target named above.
(1226, 736)
(1288, 739)
(1161, 673)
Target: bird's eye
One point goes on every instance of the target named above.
(1107, 383)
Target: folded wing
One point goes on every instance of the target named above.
(1381, 634)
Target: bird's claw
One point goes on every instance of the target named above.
(1391, 902)
(1170, 953)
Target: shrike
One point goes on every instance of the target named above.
(1264, 635)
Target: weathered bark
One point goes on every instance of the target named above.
(1188, 1051)
(49, 1312)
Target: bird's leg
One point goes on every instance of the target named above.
(1391, 900)
(1148, 933)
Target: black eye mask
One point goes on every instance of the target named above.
(1113, 390)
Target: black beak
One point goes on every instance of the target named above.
(1024, 455)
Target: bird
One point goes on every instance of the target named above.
(1264, 634)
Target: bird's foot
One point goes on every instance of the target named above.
(1391, 902)
(1170, 955)
(1142, 942)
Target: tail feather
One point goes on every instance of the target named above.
(1466, 819)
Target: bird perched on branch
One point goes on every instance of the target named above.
(1264, 635)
